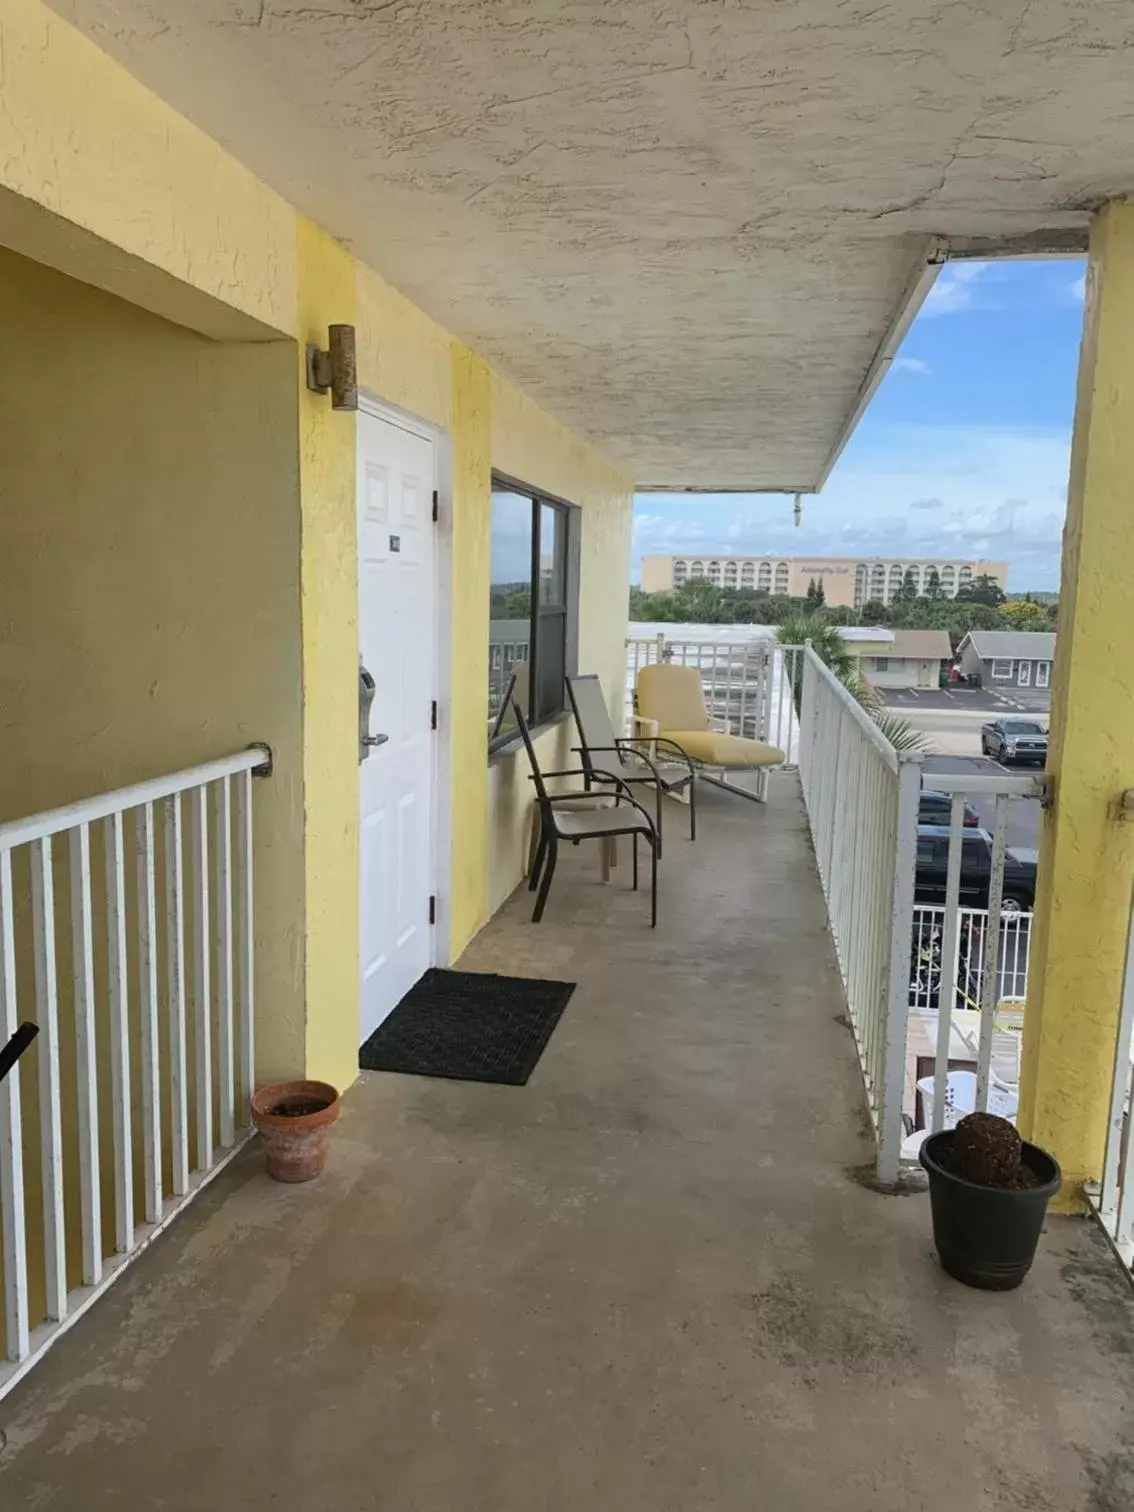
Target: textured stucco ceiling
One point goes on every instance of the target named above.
(684, 226)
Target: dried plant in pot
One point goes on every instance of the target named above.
(294, 1119)
(989, 1191)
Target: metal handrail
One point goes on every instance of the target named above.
(256, 759)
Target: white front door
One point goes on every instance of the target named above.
(1023, 674)
(397, 643)
(1043, 674)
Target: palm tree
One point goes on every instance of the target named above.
(833, 652)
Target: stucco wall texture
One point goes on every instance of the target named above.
(1087, 848)
(101, 179)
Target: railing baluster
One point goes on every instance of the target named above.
(950, 934)
(82, 937)
(35, 1307)
(175, 976)
(148, 1011)
(222, 798)
(1118, 1120)
(202, 986)
(47, 1055)
(989, 987)
(246, 1047)
(13, 1229)
(119, 1036)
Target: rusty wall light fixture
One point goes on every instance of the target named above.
(335, 371)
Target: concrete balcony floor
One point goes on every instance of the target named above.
(647, 1282)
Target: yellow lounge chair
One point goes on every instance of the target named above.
(671, 708)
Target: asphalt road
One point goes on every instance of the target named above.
(1023, 813)
(985, 702)
(951, 719)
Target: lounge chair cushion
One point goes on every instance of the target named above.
(712, 748)
(673, 696)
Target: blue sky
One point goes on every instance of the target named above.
(963, 451)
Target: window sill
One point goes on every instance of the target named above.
(515, 744)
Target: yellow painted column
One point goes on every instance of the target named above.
(1087, 846)
(472, 547)
(329, 616)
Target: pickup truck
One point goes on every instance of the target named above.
(1009, 740)
(976, 870)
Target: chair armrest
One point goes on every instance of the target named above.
(590, 774)
(649, 726)
(656, 740)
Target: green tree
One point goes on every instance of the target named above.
(834, 652)
(984, 589)
(815, 594)
(933, 584)
(874, 612)
(1023, 614)
(908, 591)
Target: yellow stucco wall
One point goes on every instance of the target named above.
(472, 487)
(82, 138)
(1087, 848)
(101, 179)
(328, 440)
(150, 620)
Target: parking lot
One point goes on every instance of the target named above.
(951, 719)
(985, 702)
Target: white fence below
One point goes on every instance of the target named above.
(126, 936)
(970, 955)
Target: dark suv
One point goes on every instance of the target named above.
(976, 869)
(937, 808)
(1009, 740)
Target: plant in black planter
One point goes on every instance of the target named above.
(989, 1191)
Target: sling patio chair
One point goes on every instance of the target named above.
(559, 820)
(670, 708)
(628, 759)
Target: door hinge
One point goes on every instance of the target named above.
(436, 506)
(432, 908)
(433, 715)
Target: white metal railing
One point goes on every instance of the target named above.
(970, 957)
(993, 968)
(1112, 1199)
(142, 992)
(748, 684)
(862, 802)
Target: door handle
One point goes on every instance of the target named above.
(366, 691)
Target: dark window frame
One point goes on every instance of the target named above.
(551, 625)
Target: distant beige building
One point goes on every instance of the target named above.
(852, 581)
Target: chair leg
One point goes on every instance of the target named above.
(655, 852)
(658, 790)
(635, 861)
(693, 808)
(537, 864)
(533, 843)
(548, 873)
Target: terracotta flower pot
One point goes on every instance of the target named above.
(294, 1119)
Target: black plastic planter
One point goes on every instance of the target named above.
(986, 1236)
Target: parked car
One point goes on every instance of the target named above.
(937, 808)
(976, 870)
(1009, 740)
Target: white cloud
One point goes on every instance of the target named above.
(929, 490)
(953, 290)
(1079, 287)
(910, 365)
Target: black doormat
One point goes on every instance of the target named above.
(468, 1026)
